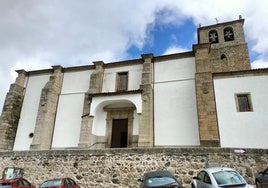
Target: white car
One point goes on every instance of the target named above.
(219, 177)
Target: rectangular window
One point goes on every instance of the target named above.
(243, 102)
(122, 81)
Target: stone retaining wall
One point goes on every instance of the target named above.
(123, 167)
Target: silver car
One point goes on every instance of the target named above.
(219, 177)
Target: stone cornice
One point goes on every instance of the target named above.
(111, 64)
(115, 93)
(222, 24)
(174, 56)
(148, 150)
(242, 73)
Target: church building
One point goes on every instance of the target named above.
(207, 97)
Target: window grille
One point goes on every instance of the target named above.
(244, 102)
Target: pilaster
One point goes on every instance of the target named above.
(206, 107)
(96, 78)
(205, 99)
(146, 137)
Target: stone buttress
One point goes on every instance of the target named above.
(45, 121)
(87, 139)
(11, 112)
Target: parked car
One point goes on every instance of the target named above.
(59, 183)
(12, 177)
(15, 183)
(261, 179)
(219, 177)
(159, 179)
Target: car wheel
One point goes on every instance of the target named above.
(258, 184)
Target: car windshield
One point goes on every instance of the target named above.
(161, 181)
(225, 178)
(12, 172)
(5, 185)
(51, 183)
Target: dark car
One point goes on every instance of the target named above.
(59, 183)
(15, 183)
(159, 179)
(261, 179)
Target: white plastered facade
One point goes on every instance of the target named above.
(175, 114)
(242, 129)
(70, 108)
(26, 126)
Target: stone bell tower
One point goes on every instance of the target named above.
(221, 48)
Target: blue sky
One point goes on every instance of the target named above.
(38, 34)
(161, 37)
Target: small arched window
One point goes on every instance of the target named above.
(228, 34)
(213, 36)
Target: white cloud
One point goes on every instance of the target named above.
(260, 63)
(38, 34)
(29, 64)
(175, 49)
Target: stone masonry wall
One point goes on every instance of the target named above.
(123, 167)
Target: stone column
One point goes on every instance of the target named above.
(9, 118)
(86, 138)
(45, 121)
(146, 137)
